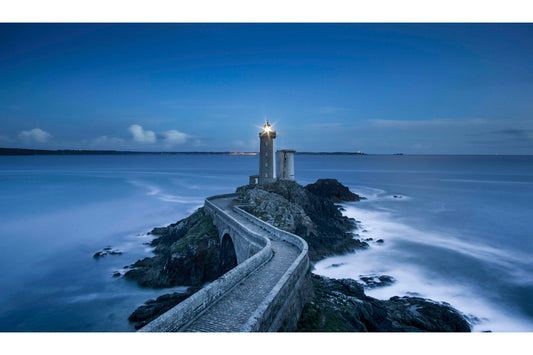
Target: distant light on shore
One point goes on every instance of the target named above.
(242, 153)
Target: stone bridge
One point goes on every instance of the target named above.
(265, 292)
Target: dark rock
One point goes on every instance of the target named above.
(116, 274)
(416, 294)
(328, 233)
(275, 209)
(373, 281)
(419, 314)
(337, 265)
(361, 244)
(106, 251)
(342, 306)
(151, 309)
(380, 241)
(187, 253)
(364, 231)
(99, 254)
(333, 190)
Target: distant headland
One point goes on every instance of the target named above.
(21, 151)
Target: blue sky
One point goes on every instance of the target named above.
(377, 88)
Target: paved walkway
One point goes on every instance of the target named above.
(234, 309)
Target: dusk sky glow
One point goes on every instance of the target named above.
(376, 88)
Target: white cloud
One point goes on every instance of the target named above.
(35, 135)
(174, 137)
(142, 136)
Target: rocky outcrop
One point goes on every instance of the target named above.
(333, 190)
(106, 251)
(278, 211)
(342, 306)
(373, 281)
(151, 309)
(315, 218)
(187, 253)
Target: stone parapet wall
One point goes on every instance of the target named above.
(246, 242)
(282, 307)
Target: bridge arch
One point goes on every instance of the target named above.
(228, 256)
(243, 245)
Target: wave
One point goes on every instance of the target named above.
(374, 194)
(415, 279)
(383, 224)
(90, 297)
(178, 199)
(158, 193)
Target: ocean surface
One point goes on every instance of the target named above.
(460, 230)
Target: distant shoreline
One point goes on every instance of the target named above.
(20, 151)
(29, 152)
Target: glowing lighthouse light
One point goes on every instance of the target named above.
(267, 128)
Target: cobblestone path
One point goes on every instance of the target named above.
(234, 309)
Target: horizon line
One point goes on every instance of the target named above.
(28, 151)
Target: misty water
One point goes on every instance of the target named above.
(459, 230)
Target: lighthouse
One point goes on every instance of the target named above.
(285, 160)
(266, 154)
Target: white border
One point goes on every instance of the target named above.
(266, 11)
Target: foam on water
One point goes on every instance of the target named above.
(166, 197)
(412, 278)
(57, 211)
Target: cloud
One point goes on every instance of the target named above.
(35, 135)
(142, 136)
(174, 137)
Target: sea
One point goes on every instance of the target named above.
(455, 229)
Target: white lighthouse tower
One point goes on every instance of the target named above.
(266, 154)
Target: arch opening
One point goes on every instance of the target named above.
(228, 257)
